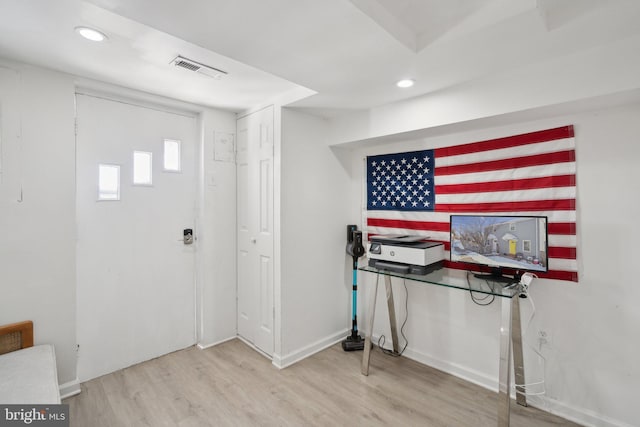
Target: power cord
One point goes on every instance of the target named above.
(525, 281)
(476, 299)
(382, 338)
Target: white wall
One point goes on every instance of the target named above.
(38, 235)
(315, 210)
(216, 234)
(591, 370)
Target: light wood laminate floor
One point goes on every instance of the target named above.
(232, 385)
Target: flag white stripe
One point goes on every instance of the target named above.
(506, 153)
(558, 193)
(560, 264)
(562, 240)
(508, 174)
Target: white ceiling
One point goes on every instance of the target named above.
(348, 52)
(135, 55)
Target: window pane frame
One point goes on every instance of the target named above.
(148, 183)
(105, 195)
(165, 153)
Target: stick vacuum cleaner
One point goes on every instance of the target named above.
(354, 248)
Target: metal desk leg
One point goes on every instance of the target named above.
(364, 367)
(504, 380)
(518, 359)
(392, 313)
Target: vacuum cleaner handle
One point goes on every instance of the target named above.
(354, 242)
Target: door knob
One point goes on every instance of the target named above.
(253, 240)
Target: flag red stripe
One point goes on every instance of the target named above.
(561, 252)
(565, 228)
(511, 163)
(526, 205)
(507, 142)
(509, 185)
(412, 225)
(571, 276)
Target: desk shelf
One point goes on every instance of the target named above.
(458, 279)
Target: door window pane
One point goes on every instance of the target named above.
(108, 182)
(172, 155)
(142, 168)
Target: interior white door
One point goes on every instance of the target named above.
(255, 229)
(135, 276)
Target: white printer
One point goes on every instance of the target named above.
(405, 253)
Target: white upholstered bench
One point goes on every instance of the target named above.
(28, 374)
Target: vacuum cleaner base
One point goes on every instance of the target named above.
(352, 343)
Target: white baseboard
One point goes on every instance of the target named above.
(471, 375)
(254, 347)
(581, 416)
(276, 361)
(302, 353)
(69, 389)
(206, 346)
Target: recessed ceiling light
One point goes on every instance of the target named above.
(405, 83)
(91, 34)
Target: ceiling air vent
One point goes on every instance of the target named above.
(197, 67)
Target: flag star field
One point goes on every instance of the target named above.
(402, 182)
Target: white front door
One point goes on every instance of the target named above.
(135, 277)
(255, 229)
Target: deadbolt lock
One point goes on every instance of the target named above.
(187, 236)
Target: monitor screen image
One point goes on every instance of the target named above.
(513, 242)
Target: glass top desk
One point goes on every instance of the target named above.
(510, 325)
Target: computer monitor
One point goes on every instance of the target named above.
(499, 242)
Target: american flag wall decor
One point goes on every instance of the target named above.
(529, 174)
